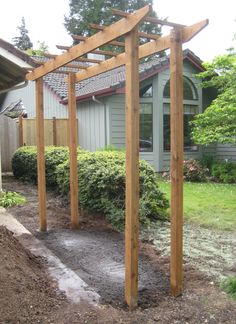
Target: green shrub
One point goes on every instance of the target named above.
(229, 286)
(193, 171)
(24, 162)
(208, 161)
(101, 182)
(10, 199)
(224, 171)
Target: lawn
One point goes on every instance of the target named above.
(208, 204)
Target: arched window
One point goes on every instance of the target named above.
(189, 90)
(190, 109)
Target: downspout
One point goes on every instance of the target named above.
(105, 115)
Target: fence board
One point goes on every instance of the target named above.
(52, 127)
(9, 140)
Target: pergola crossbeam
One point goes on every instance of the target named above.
(152, 20)
(144, 50)
(83, 38)
(100, 52)
(110, 33)
(140, 34)
(69, 65)
(81, 59)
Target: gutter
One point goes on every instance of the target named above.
(100, 93)
(19, 86)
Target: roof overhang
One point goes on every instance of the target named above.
(14, 64)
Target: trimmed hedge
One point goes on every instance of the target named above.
(101, 177)
(24, 163)
(223, 171)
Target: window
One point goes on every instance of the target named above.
(189, 90)
(190, 109)
(146, 91)
(188, 143)
(146, 127)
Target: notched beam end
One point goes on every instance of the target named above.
(190, 31)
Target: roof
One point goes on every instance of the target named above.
(14, 64)
(109, 82)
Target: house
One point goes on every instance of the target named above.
(14, 65)
(101, 113)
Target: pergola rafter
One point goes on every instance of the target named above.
(126, 28)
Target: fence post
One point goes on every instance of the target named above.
(54, 131)
(21, 141)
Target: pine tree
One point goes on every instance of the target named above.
(84, 12)
(23, 41)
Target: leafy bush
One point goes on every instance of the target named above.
(10, 199)
(224, 171)
(101, 183)
(193, 171)
(24, 162)
(229, 286)
(208, 161)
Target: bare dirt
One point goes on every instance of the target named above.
(96, 253)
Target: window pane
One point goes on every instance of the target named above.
(188, 143)
(146, 92)
(166, 132)
(146, 133)
(189, 90)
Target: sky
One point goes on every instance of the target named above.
(44, 20)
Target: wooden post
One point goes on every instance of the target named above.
(40, 154)
(132, 169)
(21, 142)
(54, 131)
(176, 93)
(73, 151)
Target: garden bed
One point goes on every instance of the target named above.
(202, 300)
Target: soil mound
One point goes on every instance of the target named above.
(26, 295)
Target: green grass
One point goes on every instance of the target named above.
(10, 199)
(229, 286)
(209, 204)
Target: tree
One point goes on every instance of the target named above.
(218, 122)
(84, 12)
(42, 48)
(23, 41)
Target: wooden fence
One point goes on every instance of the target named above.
(56, 132)
(9, 141)
(21, 132)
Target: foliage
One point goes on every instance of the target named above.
(208, 161)
(229, 286)
(101, 183)
(112, 148)
(193, 171)
(218, 122)
(84, 12)
(23, 41)
(211, 205)
(24, 163)
(224, 171)
(10, 199)
(42, 48)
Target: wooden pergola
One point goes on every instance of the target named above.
(126, 27)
